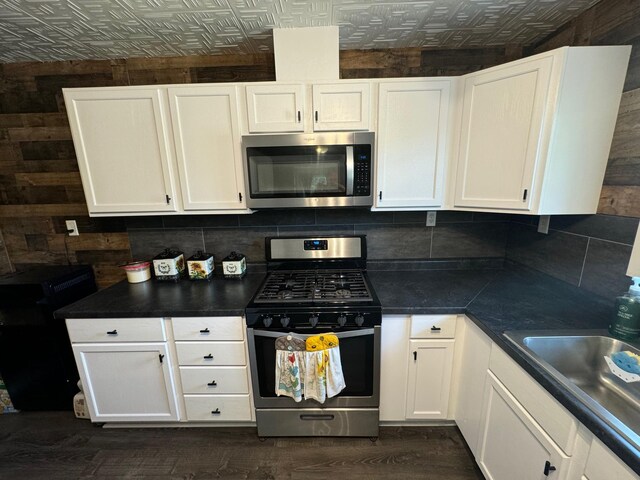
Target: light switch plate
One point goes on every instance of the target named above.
(431, 219)
(72, 228)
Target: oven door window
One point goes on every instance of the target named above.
(356, 355)
(276, 172)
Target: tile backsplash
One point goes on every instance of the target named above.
(390, 235)
(589, 251)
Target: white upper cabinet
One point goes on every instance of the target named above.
(207, 139)
(341, 106)
(122, 142)
(281, 108)
(535, 133)
(412, 142)
(275, 108)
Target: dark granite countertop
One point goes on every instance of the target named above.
(218, 297)
(512, 298)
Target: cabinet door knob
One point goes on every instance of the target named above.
(112, 332)
(204, 330)
(161, 357)
(208, 357)
(415, 356)
(548, 468)
(299, 116)
(213, 384)
(216, 412)
(316, 116)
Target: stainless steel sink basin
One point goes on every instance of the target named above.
(576, 359)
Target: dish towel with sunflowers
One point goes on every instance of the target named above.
(312, 368)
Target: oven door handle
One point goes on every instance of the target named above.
(354, 333)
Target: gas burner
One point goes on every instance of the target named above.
(284, 294)
(343, 293)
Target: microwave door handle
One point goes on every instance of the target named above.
(354, 333)
(349, 179)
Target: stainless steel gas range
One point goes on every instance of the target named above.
(313, 286)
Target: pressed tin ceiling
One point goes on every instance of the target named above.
(45, 30)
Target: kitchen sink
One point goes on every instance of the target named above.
(576, 359)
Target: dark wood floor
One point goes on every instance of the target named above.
(55, 445)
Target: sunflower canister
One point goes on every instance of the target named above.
(200, 266)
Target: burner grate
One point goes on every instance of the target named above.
(314, 286)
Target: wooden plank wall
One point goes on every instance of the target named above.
(614, 22)
(39, 182)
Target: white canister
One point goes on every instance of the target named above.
(234, 265)
(137, 272)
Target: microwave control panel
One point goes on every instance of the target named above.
(362, 170)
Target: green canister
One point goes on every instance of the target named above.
(626, 321)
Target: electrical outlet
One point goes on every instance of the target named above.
(72, 228)
(431, 219)
(543, 223)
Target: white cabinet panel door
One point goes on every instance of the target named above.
(207, 138)
(122, 142)
(127, 382)
(412, 143)
(393, 367)
(503, 115)
(430, 365)
(343, 106)
(275, 108)
(474, 362)
(512, 445)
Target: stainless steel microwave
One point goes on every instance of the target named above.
(309, 170)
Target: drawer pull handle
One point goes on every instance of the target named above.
(208, 357)
(317, 417)
(213, 384)
(415, 356)
(435, 329)
(206, 330)
(216, 412)
(548, 468)
(112, 332)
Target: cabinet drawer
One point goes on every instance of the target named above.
(211, 353)
(201, 408)
(214, 380)
(556, 421)
(433, 326)
(208, 328)
(83, 330)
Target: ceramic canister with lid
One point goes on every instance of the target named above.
(200, 266)
(168, 265)
(234, 265)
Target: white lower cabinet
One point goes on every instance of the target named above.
(127, 382)
(213, 368)
(602, 464)
(429, 377)
(515, 429)
(416, 366)
(474, 350)
(513, 445)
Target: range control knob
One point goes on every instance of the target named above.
(359, 320)
(313, 320)
(342, 320)
(284, 321)
(267, 320)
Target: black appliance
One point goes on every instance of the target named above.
(317, 285)
(36, 360)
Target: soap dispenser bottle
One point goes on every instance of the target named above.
(626, 321)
